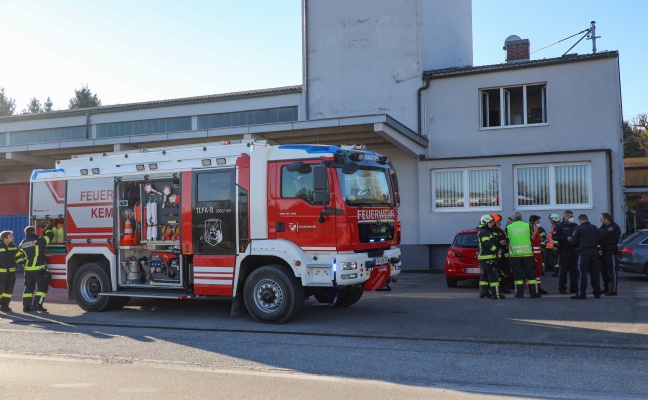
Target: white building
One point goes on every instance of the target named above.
(537, 136)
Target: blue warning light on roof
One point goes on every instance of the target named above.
(310, 148)
(45, 171)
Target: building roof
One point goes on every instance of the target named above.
(636, 162)
(469, 70)
(158, 103)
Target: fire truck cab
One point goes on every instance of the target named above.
(266, 225)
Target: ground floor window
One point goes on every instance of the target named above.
(466, 188)
(553, 185)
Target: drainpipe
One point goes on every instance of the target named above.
(418, 102)
(608, 156)
(88, 125)
(305, 58)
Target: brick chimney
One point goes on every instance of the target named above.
(517, 49)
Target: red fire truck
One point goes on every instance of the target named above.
(266, 225)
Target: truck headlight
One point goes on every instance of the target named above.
(348, 265)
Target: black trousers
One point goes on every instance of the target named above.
(35, 280)
(589, 264)
(489, 274)
(609, 272)
(568, 265)
(524, 268)
(7, 284)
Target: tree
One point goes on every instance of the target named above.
(83, 98)
(635, 137)
(47, 106)
(34, 107)
(7, 104)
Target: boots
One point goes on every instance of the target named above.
(495, 294)
(4, 304)
(27, 307)
(483, 290)
(38, 304)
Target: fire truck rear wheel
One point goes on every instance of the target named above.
(89, 281)
(273, 294)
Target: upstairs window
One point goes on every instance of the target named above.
(513, 105)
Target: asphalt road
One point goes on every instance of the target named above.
(420, 340)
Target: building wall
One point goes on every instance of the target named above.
(367, 57)
(584, 113)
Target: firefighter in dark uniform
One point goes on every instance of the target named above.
(487, 256)
(501, 242)
(567, 257)
(586, 239)
(36, 272)
(609, 235)
(10, 254)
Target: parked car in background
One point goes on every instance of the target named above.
(633, 253)
(461, 259)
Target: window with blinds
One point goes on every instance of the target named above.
(553, 185)
(466, 188)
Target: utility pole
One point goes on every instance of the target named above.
(592, 36)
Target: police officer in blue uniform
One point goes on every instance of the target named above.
(586, 239)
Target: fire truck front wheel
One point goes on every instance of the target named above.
(89, 281)
(273, 294)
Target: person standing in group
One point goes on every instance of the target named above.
(521, 256)
(609, 234)
(36, 273)
(502, 252)
(10, 254)
(538, 236)
(551, 248)
(585, 239)
(567, 258)
(487, 256)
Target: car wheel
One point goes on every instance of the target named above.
(451, 282)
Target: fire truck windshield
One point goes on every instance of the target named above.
(366, 186)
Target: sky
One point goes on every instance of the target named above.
(133, 51)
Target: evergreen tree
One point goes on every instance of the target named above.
(84, 98)
(7, 104)
(34, 107)
(47, 106)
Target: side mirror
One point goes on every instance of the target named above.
(321, 193)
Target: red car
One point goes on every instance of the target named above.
(461, 259)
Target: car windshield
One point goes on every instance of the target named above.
(466, 240)
(366, 186)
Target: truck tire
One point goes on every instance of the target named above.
(89, 281)
(347, 296)
(272, 294)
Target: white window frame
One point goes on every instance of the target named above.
(466, 190)
(505, 107)
(552, 187)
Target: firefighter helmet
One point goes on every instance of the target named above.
(496, 217)
(486, 218)
(554, 217)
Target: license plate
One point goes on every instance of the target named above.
(473, 270)
(381, 261)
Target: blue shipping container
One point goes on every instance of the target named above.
(15, 223)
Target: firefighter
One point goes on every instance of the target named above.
(609, 234)
(521, 256)
(501, 242)
(36, 272)
(538, 237)
(487, 256)
(567, 257)
(585, 239)
(10, 254)
(551, 248)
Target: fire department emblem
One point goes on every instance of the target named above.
(213, 231)
(292, 226)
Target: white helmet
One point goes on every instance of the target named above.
(486, 218)
(554, 217)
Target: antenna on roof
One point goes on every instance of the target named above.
(592, 36)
